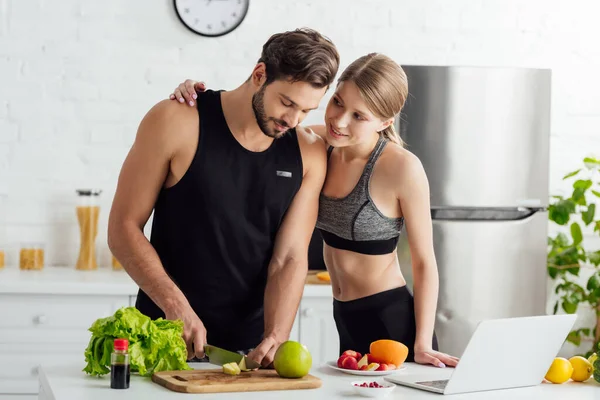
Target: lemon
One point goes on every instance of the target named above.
(560, 370)
(582, 369)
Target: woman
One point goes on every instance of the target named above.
(373, 188)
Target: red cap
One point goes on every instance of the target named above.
(121, 344)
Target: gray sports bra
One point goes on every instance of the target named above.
(353, 222)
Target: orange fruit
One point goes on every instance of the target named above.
(389, 351)
(324, 276)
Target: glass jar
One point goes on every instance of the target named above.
(116, 265)
(88, 211)
(31, 256)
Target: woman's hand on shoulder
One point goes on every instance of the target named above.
(186, 91)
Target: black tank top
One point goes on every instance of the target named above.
(215, 229)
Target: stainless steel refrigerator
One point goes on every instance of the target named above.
(482, 135)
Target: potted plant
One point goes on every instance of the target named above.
(573, 264)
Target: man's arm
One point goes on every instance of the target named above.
(289, 263)
(142, 176)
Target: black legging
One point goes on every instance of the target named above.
(386, 315)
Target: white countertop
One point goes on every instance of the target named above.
(69, 382)
(103, 281)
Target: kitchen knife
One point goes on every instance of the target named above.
(220, 356)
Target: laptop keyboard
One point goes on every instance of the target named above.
(441, 384)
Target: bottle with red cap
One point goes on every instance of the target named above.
(119, 365)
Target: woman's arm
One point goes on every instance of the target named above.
(413, 195)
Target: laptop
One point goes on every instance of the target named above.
(501, 354)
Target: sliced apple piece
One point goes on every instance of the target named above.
(242, 365)
(372, 367)
(231, 368)
(363, 361)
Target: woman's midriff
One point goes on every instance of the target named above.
(355, 275)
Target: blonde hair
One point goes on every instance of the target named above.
(383, 85)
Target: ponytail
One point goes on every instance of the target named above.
(390, 134)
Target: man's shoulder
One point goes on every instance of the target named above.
(309, 140)
(312, 147)
(170, 122)
(171, 112)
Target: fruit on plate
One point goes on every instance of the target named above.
(348, 363)
(582, 369)
(364, 361)
(231, 368)
(560, 370)
(373, 359)
(323, 276)
(389, 351)
(292, 360)
(352, 353)
(386, 367)
(372, 367)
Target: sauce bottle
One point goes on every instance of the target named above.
(119, 365)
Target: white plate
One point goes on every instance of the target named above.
(333, 365)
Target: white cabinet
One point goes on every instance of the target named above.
(52, 329)
(48, 329)
(317, 329)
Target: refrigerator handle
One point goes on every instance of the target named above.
(483, 214)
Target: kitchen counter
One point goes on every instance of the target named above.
(46, 315)
(69, 382)
(103, 281)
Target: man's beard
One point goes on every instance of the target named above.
(258, 106)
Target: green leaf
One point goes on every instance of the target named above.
(552, 271)
(570, 174)
(570, 308)
(597, 227)
(582, 184)
(574, 338)
(576, 233)
(585, 331)
(562, 239)
(555, 307)
(591, 163)
(594, 257)
(596, 193)
(579, 196)
(594, 282)
(560, 212)
(588, 215)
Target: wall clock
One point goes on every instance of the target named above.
(211, 18)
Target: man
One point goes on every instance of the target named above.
(234, 188)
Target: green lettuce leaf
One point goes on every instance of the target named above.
(153, 345)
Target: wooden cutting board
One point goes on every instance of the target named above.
(215, 381)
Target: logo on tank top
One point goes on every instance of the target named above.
(285, 174)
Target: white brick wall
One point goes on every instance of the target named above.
(77, 76)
